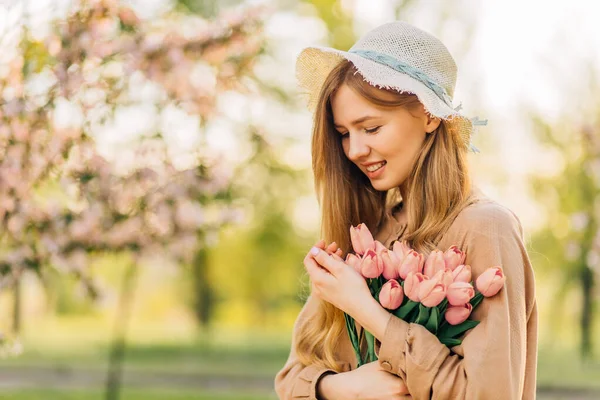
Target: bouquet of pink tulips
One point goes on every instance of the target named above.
(436, 292)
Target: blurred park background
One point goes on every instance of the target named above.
(156, 195)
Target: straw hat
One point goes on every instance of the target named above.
(398, 56)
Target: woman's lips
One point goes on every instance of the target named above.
(377, 173)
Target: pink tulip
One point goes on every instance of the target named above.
(462, 273)
(401, 249)
(491, 281)
(459, 293)
(362, 239)
(391, 295)
(379, 247)
(354, 261)
(445, 277)
(432, 291)
(458, 314)
(371, 266)
(413, 262)
(453, 257)
(411, 285)
(435, 262)
(391, 264)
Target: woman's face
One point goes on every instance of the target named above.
(386, 140)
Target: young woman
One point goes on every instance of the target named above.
(390, 151)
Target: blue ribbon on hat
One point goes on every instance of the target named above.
(406, 69)
(421, 77)
(476, 122)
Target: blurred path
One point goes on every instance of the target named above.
(80, 378)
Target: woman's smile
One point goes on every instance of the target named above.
(376, 170)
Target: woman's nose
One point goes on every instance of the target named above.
(358, 148)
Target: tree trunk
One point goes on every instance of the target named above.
(18, 297)
(117, 351)
(204, 297)
(587, 315)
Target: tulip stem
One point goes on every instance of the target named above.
(442, 324)
(370, 346)
(351, 327)
(442, 306)
(476, 299)
(360, 340)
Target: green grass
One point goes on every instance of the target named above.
(556, 368)
(128, 394)
(201, 357)
(562, 369)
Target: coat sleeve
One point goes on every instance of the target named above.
(295, 380)
(491, 362)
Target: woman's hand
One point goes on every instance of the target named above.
(334, 281)
(339, 284)
(368, 382)
(331, 249)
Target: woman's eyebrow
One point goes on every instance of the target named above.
(357, 121)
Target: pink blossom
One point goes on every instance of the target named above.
(413, 262)
(462, 273)
(362, 239)
(411, 285)
(371, 266)
(432, 291)
(460, 293)
(458, 314)
(391, 295)
(454, 257)
(391, 264)
(491, 281)
(435, 262)
(401, 249)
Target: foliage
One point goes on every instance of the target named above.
(61, 199)
(569, 199)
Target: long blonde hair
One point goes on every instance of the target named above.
(439, 187)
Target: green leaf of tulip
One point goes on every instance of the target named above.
(453, 331)
(423, 316)
(351, 327)
(404, 310)
(433, 322)
(450, 342)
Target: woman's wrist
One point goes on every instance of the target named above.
(328, 387)
(374, 318)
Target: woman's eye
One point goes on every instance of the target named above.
(372, 130)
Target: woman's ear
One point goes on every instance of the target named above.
(431, 123)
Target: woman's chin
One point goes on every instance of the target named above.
(381, 185)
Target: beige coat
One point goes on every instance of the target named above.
(496, 360)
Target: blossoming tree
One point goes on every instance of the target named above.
(62, 199)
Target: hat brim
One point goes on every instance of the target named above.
(314, 64)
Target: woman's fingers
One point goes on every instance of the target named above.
(336, 257)
(326, 261)
(332, 247)
(314, 266)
